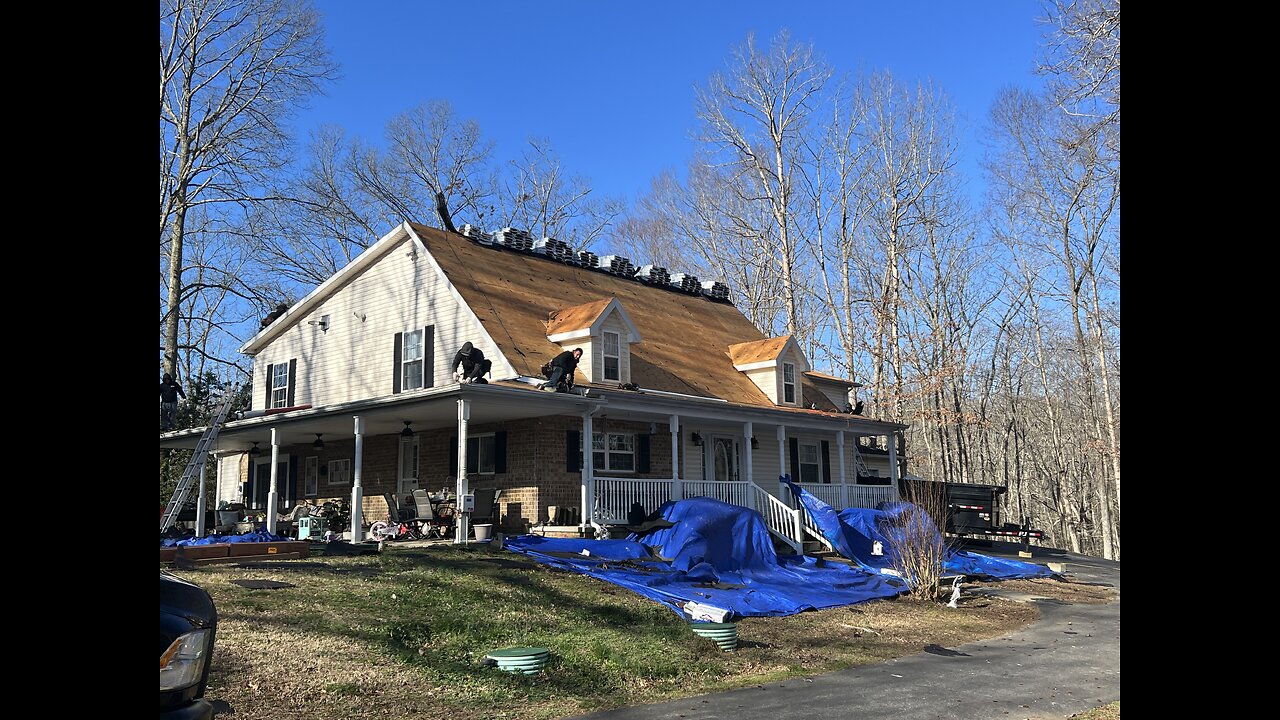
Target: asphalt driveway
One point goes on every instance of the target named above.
(1066, 662)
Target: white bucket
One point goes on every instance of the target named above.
(483, 532)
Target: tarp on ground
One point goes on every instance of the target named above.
(715, 555)
(853, 533)
(257, 536)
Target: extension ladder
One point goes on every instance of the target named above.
(196, 465)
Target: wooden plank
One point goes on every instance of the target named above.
(199, 552)
(269, 548)
(186, 563)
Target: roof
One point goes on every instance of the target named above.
(578, 317)
(756, 351)
(513, 295)
(823, 377)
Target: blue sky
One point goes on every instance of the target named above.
(611, 84)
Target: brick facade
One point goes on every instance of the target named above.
(536, 476)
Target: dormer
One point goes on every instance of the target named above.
(840, 391)
(605, 333)
(774, 365)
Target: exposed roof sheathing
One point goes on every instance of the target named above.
(685, 336)
(578, 317)
(758, 350)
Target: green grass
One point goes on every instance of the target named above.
(404, 632)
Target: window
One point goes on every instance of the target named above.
(810, 467)
(612, 357)
(613, 451)
(788, 382)
(340, 472)
(411, 361)
(280, 385)
(311, 477)
(480, 454)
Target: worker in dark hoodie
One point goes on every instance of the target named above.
(562, 366)
(474, 365)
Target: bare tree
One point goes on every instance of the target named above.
(230, 72)
(1082, 60)
(755, 120)
(544, 198)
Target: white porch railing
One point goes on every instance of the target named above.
(826, 492)
(783, 521)
(869, 496)
(615, 496)
(734, 493)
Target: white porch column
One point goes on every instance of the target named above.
(892, 442)
(200, 498)
(272, 495)
(844, 480)
(784, 493)
(462, 520)
(677, 486)
(588, 471)
(357, 488)
(747, 435)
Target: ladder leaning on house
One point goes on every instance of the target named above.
(196, 465)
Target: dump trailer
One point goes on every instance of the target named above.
(972, 509)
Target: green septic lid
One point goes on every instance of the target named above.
(518, 652)
(711, 625)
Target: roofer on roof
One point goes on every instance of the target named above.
(474, 365)
(562, 366)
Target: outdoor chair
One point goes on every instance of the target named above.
(431, 524)
(486, 504)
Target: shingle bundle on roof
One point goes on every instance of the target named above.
(556, 250)
(588, 259)
(685, 282)
(514, 239)
(653, 274)
(617, 265)
(715, 290)
(475, 233)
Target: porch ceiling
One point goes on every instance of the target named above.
(434, 408)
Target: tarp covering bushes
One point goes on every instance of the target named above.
(853, 533)
(715, 555)
(252, 537)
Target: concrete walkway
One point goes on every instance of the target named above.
(1067, 662)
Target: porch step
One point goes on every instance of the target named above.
(813, 547)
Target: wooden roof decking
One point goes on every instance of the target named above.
(577, 317)
(758, 350)
(686, 337)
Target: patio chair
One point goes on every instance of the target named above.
(486, 504)
(430, 523)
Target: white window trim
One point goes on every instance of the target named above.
(420, 359)
(334, 465)
(817, 453)
(604, 356)
(605, 466)
(795, 397)
(282, 389)
(479, 452)
(311, 476)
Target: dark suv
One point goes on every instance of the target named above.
(188, 623)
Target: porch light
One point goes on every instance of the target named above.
(319, 443)
(407, 432)
(697, 439)
(254, 451)
(755, 443)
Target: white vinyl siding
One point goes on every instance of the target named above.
(355, 358)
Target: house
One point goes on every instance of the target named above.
(354, 395)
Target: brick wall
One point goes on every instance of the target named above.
(535, 479)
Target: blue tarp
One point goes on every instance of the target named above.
(715, 554)
(853, 532)
(258, 536)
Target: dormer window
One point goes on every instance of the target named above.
(774, 365)
(788, 382)
(612, 357)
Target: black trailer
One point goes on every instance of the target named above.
(972, 508)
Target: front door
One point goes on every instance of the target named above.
(408, 467)
(724, 458)
(262, 484)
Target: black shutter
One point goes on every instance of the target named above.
(453, 456)
(293, 376)
(395, 378)
(826, 461)
(473, 455)
(270, 373)
(795, 459)
(500, 451)
(429, 356)
(293, 493)
(572, 458)
(642, 453)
